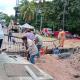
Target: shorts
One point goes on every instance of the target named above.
(39, 47)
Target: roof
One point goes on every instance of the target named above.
(27, 26)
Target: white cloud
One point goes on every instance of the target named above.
(9, 11)
(7, 6)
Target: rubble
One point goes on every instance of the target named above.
(75, 61)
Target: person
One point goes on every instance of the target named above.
(38, 42)
(1, 36)
(31, 47)
(61, 37)
(13, 40)
(30, 35)
(10, 35)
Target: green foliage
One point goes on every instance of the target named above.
(52, 14)
(27, 10)
(5, 17)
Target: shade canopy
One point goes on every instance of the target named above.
(27, 26)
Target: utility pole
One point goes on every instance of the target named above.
(41, 23)
(39, 11)
(16, 10)
(37, 6)
(16, 16)
(63, 17)
(17, 3)
(64, 11)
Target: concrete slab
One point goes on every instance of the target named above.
(14, 67)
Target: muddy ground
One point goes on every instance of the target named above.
(62, 69)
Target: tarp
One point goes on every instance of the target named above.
(27, 26)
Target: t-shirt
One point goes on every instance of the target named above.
(39, 39)
(61, 35)
(1, 32)
(30, 35)
(32, 47)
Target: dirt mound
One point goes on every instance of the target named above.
(75, 61)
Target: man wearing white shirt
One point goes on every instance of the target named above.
(1, 36)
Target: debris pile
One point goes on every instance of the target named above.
(75, 61)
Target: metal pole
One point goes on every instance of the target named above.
(64, 10)
(16, 10)
(37, 7)
(38, 11)
(41, 23)
(36, 18)
(17, 3)
(64, 18)
(41, 16)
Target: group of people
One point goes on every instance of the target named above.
(33, 43)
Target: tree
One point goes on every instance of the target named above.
(27, 10)
(74, 14)
(52, 14)
(5, 18)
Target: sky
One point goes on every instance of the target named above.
(7, 6)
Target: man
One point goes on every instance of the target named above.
(1, 36)
(61, 37)
(30, 35)
(31, 47)
(9, 35)
(38, 42)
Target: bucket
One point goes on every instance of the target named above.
(42, 51)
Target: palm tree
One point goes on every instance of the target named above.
(27, 10)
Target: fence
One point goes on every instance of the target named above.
(12, 46)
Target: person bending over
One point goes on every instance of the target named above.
(31, 47)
